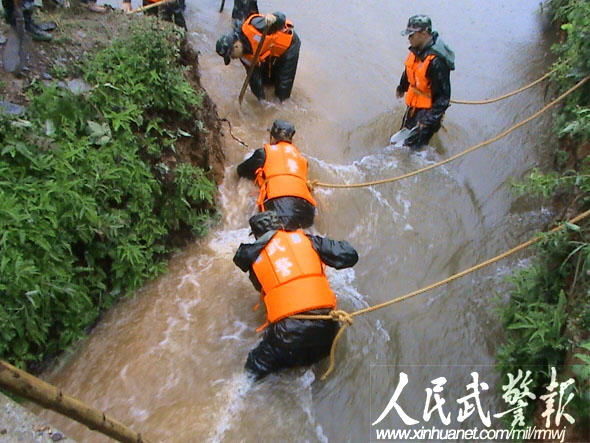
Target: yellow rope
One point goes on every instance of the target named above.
(347, 318)
(502, 97)
(456, 156)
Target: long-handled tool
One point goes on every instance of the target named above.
(253, 65)
(153, 5)
(222, 6)
(398, 139)
(15, 55)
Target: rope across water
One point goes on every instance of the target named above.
(502, 97)
(346, 319)
(315, 183)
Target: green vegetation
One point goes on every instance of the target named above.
(88, 203)
(546, 301)
(547, 320)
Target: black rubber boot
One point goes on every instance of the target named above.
(47, 26)
(36, 32)
(8, 6)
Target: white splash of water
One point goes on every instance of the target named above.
(407, 204)
(139, 414)
(237, 199)
(341, 282)
(171, 326)
(304, 396)
(384, 202)
(233, 395)
(188, 279)
(238, 329)
(225, 243)
(335, 169)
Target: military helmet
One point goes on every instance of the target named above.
(263, 222)
(282, 130)
(418, 23)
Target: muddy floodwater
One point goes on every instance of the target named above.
(168, 361)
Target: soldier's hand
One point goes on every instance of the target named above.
(270, 19)
(398, 92)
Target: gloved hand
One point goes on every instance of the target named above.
(269, 19)
(399, 93)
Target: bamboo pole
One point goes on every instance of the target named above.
(32, 388)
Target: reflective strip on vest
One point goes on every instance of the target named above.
(292, 277)
(419, 94)
(275, 44)
(284, 174)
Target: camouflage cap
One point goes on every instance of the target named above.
(282, 130)
(417, 23)
(224, 46)
(263, 222)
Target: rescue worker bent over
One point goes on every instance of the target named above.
(288, 268)
(425, 81)
(277, 63)
(280, 171)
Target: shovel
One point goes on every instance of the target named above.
(14, 53)
(397, 140)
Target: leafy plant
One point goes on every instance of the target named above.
(58, 70)
(536, 316)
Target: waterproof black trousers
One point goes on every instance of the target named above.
(290, 343)
(429, 125)
(293, 212)
(278, 72)
(9, 14)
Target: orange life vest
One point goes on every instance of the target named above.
(292, 276)
(275, 44)
(419, 94)
(284, 174)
